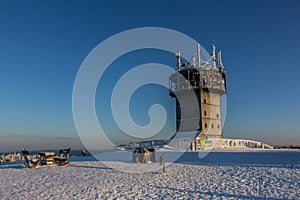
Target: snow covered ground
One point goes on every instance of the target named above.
(223, 175)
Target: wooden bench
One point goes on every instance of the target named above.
(47, 158)
(30, 162)
(62, 157)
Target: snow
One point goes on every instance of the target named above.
(220, 175)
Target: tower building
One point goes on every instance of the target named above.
(205, 80)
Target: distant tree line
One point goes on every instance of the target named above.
(11, 157)
(286, 146)
(17, 156)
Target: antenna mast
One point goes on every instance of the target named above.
(220, 64)
(213, 54)
(178, 60)
(199, 55)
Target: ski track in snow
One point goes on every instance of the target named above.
(94, 180)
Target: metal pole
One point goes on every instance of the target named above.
(199, 55)
(162, 162)
(178, 60)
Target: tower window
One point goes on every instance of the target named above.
(218, 126)
(218, 115)
(212, 125)
(204, 113)
(205, 125)
(204, 100)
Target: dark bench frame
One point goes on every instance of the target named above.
(30, 163)
(62, 158)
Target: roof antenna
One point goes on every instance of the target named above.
(220, 64)
(213, 54)
(178, 60)
(199, 55)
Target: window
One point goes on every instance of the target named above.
(204, 100)
(218, 115)
(204, 113)
(212, 125)
(218, 126)
(205, 125)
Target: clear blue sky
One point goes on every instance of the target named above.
(43, 43)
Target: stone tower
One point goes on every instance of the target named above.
(208, 82)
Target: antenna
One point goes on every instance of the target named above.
(178, 60)
(199, 55)
(220, 64)
(213, 54)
